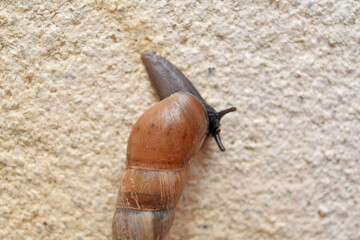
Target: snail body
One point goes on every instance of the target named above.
(159, 150)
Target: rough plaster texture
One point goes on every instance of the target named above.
(72, 86)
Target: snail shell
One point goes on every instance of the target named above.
(160, 147)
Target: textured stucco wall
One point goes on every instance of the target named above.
(72, 85)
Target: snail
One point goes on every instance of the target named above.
(159, 150)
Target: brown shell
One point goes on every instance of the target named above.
(159, 149)
(151, 190)
(166, 135)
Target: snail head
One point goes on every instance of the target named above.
(214, 123)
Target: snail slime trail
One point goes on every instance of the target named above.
(159, 149)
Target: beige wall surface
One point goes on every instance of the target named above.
(72, 85)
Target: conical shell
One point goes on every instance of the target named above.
(159, 149)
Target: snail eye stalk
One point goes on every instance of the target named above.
(218, 140)
(216, 134)
(226, 111)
